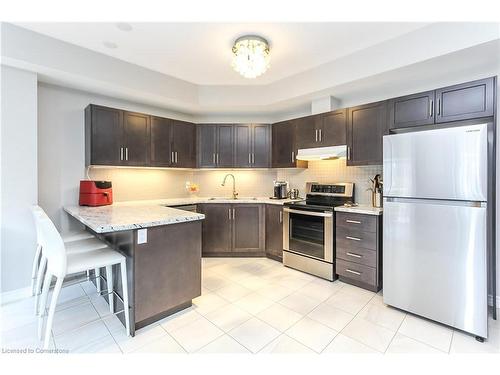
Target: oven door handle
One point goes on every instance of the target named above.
(308, 213)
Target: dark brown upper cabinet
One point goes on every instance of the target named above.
(183, 146)
(332, 128)
(215, 146)
(465, 101)
(412, 110)
(173, 143)
(283, 145)
(115, 137)
(161, 142)
(103, 136)
(365, 127)
(252, 146)
(454, 103)
(306, 132)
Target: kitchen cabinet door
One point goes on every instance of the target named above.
(216, 228)
(207, 145)
(183, 144)
(136, 130)
(104, 136)
(283, 150)
(333, 128)
(306, 132)
(248, 228)
(412, 110)
(225, 149)
(465, 101)
(261, 152)
(161, 155)
(365, 129)
(243, 146)
(274, 231)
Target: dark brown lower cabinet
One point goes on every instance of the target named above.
(233, 229)
(359, 249)
(274, 231)
(216, 229)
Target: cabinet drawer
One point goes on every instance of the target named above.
(350, 238)
(367, 223)
(358, 272)
(358, 255)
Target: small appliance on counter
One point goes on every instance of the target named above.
(95, 193)
(293, 194)
(280, 190)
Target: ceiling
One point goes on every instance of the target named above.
(200, 53)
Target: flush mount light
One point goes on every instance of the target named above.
(250, 56)
(123, 26)
(110, 45)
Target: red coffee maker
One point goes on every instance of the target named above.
(95, 193)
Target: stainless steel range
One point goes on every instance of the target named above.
(309, 228)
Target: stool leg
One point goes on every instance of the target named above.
(109, 280)
(123, 269)
(52, 310)
(43, 303)
(98, 279)
(39, 278)
(34, 268)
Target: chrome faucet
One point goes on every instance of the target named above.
(235, 194)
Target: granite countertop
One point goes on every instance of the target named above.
(362, 209)
(124, 216)
(149, 213)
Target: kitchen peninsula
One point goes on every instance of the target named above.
(163, 250)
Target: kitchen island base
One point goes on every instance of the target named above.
(164, 273)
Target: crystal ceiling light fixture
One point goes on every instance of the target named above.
(250, 56)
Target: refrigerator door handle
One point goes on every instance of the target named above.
(442, 202)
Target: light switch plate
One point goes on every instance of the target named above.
(142, 236)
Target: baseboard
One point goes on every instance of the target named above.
(15, 295)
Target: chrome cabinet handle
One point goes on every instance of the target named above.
(293, 156)
(316, 132)
(213, 157)
(348, 153)
(172, 158)
(121, 153)
(176, 157)
(281, 217)
(253, 158)
(217, 158)
(354, 272)
(439, 106)
(353, 221)
(320, 135)
(353, 238)
(126, 153)
(354, 255)
(431, 108)
(249, 158)
(229, 213)
(233, 213)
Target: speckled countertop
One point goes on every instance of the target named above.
(148, 213)
(362, 209)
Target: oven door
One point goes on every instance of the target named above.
(308, 233)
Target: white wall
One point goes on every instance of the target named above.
(18, 176)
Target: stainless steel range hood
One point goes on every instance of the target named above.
(322, 153)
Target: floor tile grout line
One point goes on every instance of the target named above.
(451, 341)
(397, 331)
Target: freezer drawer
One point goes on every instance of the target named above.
(435, 261)
(437, 164)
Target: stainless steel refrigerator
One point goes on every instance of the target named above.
(435, 220)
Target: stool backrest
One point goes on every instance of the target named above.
(51, 242)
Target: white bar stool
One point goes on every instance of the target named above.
(60, 264)
(75, 242)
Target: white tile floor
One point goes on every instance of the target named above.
(249, 305)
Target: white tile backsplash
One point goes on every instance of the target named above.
(331, 171)
(137, 183)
